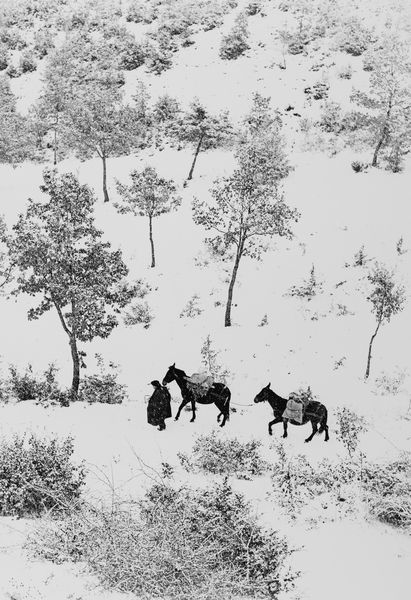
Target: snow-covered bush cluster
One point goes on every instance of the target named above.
(211, 545)
(212, 454)
(38, 475)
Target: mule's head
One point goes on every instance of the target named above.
(170, 375)
(263, 395)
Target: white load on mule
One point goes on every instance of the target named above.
(296, 405)
(200, 383)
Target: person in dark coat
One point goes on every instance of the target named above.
(159, 406)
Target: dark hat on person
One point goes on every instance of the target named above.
(155, 383)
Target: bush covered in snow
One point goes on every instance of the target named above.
(350, 427)
(390, 383)
(133, 56)
(192, 308)
(384, 489)
(4, 57)
(37, 475)
(175, 543)
(27, 62)
(234, 44)
(138, 314)
(43, 389)
(212, 454)
(102, 387)
(309, 288)
(354, 37)
(388, 491)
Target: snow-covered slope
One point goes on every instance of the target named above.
(301, 343)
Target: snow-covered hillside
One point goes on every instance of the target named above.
(322, 342)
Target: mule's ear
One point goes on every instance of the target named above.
(268, 386)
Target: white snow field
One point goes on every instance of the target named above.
(340, 556)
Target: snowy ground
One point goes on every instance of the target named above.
(352, 558)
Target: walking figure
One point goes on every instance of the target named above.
(159, 406)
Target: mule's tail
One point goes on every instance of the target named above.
(323, 424)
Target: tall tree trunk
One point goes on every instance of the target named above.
(200, 141)
(367, 371)
(153, 258)
(383, 136)
(106, 197)
(75, 383)
(227, 322)
(378, 147)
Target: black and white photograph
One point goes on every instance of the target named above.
(205, 299)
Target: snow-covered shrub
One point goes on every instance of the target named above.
(4, 57)
(177, 543)
(159, 57)
(253, 8)
(209, 358)
(43, 42)
(27, 62)
(354, 38)
(192, 308)
(264, 321)
(138, 314)
(289, 495)
(388, 491)
(331, 118)
(400, 247)
(309, 288)
(43, 389)
(390, 384)
(339, 363)
(359, 166)
(37, 475)
(165, 110)
(12, 38)
(132, 56)
(345, 72)
(23, 386)
(13, 72)
(234, 44)
(212, 454)
(102, 387)
(212, 16)
(343, 310)
(349, 428)
(319, 91)
(140, 11)
(360, 257)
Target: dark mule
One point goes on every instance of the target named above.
(219, 394)
(314, 412)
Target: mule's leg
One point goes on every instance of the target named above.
(327, 437)
(180, 408)
(225, 417)
(315, 429)
(224, 408)
(273, 422)
(193, 410)
(285, 426)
